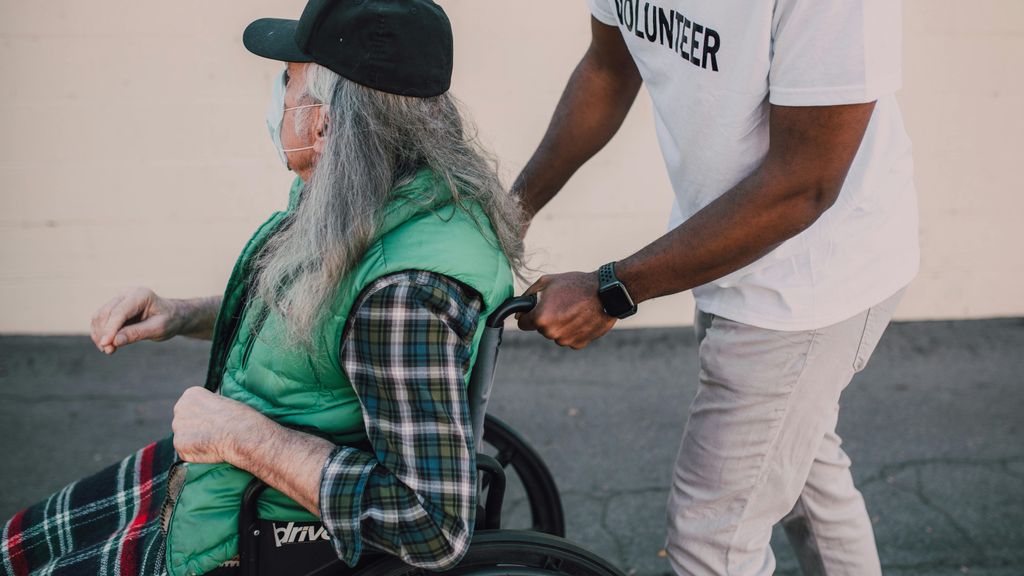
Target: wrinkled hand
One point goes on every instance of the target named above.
(568, 310)
(209, 428)
(133, 315)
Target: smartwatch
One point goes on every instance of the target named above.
(613, 294)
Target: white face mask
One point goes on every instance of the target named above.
(275, 117)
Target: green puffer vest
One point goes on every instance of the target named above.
(311, 391)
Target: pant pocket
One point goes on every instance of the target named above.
(701, 322)
(875, 322)
(867, 342)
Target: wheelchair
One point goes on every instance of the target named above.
(540, 550)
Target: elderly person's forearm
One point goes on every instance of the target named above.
(210, 428)
(199, 315)
(341, 484)
(288, 460)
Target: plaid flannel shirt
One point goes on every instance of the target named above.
(406, 351)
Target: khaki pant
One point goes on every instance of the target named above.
(760, 447)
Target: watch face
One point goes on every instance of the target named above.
(616, 300)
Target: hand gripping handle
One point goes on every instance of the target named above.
(510, 307)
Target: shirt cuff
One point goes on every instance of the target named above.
(342, 483)
(834, 96)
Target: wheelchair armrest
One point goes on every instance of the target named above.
(495, 491)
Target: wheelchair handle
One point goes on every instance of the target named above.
(510, 307)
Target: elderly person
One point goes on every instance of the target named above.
(344, 340)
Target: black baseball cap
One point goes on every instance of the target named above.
(398, 46)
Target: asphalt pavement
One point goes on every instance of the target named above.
(934, 425)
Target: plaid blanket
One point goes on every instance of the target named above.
(106, 524)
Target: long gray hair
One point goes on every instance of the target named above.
(375, 142)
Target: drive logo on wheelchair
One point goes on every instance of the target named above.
(304, 532)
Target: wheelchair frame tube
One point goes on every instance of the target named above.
(482, 379)
(249, 529)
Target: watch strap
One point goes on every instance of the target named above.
(606, 274)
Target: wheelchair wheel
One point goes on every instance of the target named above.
(511, 553)
(516, 455)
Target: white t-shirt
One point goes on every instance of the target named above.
(712, 68)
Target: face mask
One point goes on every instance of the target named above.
(275, 117)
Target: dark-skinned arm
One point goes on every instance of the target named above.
(810, 152)
(596, 100)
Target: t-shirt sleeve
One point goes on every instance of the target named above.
(836, 52)
(603, 11)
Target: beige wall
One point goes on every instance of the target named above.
(133, 149)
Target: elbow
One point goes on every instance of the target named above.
(822, 195)
(451, 534)
(806, 203)
(453, 547)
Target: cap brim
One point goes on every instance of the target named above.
(274, 38)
